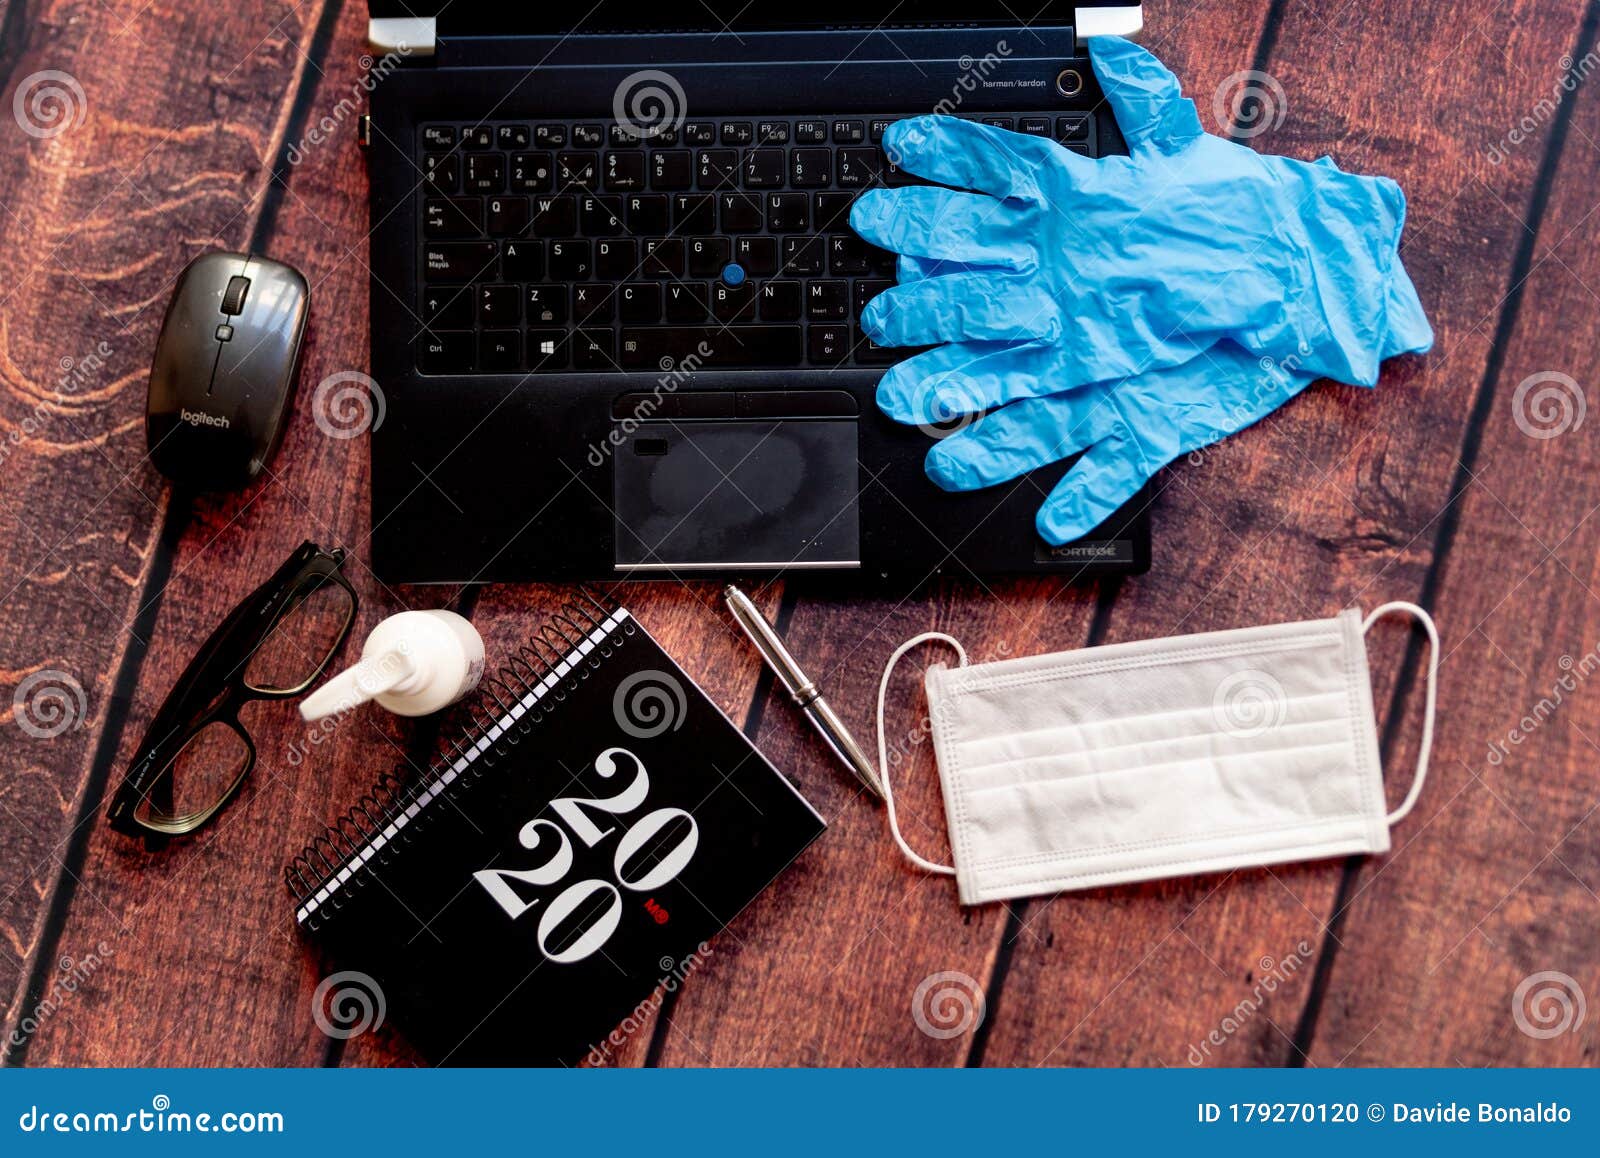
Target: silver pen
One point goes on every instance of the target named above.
(801, 689)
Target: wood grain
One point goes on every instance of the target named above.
(1494, 880)
(130, 171)
(1329, 502)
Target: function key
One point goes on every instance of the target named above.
(849, 132)
(772, 133)
(513, 136)
(550, 136)
(663, 135)
(810, 132)
(587, 136)
(622, 136)
(478, 137)
(1007, 123)
(737, 133)
(439, 137)
(1073, 128)
(876, 129)
(1036, 126)
(700, 133)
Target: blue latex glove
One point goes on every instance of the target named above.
(1123, 264)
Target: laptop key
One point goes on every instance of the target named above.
(709, 256)
(449, 308)
(832, 210)
(694, 213)
(715, 168)
(1073, 128)
(594, 350)
(477, 137)
(513, 136)
(810, 132)
(847, 255)
(497, 305)
(623, 137)
(647, 215)
(571, 260)
(740, 212)
(532, 173)
(499, 350)
(443, 173)
(827, 301)
(876, 129)
(772, 133)
(686, 302)
(786, 213)
(547, 304)
(828, 345)
(452, 217)
(507, 216)
(867, 289)
(671, 169)
(714, 348)
(588, 136)
(663, 257)
(484, 173)
(1036, 126)
(780, 301)
(758, 255)
(616, 259)
(856, 168)
(733, 303)
(737, 133)
(624, 172)
(810, 168)
(458, 261)
(555, 216)
(550, 136)
(547, 349)
(593, 304)
(577, 169)
(446, 351)
(600, 216)
(639, 302)
(439, 137)
(849, 132)
(522, 260)
(763, 169)
(700, 133)
(802, 255)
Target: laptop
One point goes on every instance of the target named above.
(615, 295)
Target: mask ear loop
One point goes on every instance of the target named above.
(883, 747)
(1425, 748)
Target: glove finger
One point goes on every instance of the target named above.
(1145, 97)
(939, 223)
(962, 378)
(969, 155)
(994, 307)
(910, 269)
(1018, 438)
(1102, 480)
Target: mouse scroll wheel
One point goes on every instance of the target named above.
(233, 296)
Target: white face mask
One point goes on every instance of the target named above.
(1159, 758)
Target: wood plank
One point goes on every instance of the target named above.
(210, 915)
(1494, 879)
(826, 966)
(1330, 502)
(99, 218)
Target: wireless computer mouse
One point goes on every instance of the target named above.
(224, 369)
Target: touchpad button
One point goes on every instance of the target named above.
(736, 493)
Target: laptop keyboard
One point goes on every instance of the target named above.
(722, 244)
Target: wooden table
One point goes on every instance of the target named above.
(1429, 488)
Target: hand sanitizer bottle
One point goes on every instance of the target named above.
(413, 663)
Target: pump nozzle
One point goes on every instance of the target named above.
(413, 663)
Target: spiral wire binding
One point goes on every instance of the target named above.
(557, 641)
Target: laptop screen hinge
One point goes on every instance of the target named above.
(411, 35)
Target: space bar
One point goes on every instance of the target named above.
(710, 347)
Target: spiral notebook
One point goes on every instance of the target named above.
(577, 846)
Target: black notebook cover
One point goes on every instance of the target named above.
(569, 854)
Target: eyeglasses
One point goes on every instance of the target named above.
(196, 754)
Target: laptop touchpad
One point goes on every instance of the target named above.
(772, 484)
